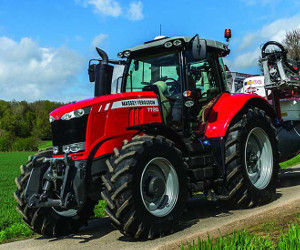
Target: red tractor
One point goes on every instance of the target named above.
(162, 126)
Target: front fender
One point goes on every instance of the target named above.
(227, 107)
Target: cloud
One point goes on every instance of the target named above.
(98, 40)
(247, 60)
(106, 7)
(273, 31)
(249, 49)
(135, 11)
(113, 8)
(29, 72)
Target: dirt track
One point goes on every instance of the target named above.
(202, 217)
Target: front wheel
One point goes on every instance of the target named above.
(145, 187)
(251, 161)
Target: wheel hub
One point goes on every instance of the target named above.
(259, 158)
(157, 187)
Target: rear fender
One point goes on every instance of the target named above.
(227, 109)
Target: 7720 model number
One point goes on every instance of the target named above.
(155, 109)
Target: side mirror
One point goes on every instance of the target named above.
(91, 71)
(199, 48)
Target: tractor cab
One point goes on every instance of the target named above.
(186, 73)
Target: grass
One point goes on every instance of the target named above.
(11, 225)
(45, 144)
(245, 240)
(292, 162)
(282, 232)
(237, 240)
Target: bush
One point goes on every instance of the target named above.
(25, 144)
(6, 141)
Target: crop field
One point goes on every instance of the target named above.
(11, 225)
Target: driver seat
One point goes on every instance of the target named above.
(166, 107)
(162, 89)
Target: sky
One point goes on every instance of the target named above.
(45, 45)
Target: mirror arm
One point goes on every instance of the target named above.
(118, 62)
(190, 42)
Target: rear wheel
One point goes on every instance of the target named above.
(49, 221)
(251, 161)
(146, 187)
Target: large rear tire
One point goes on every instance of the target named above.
(145, 187)
(251, 161)
(48, 221)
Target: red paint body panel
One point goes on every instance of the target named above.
(224, 111)
(107, 124)
(57, 113)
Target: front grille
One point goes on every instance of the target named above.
(65, 132)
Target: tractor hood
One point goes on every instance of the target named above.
(59, 112)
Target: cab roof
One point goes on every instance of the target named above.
(185, 39)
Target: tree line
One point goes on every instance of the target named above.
(24, 124)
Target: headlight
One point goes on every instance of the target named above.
(120, 55)
(55, 150)
(168, 44)
(177, 42)
(76, 113)
(51, 119)
(73, 148)
(127, 53)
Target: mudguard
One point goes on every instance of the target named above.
(227, 107)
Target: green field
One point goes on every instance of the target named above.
(11, 225)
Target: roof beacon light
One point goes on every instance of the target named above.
(227, 34)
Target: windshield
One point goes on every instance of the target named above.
(161, 70)
(162, 73)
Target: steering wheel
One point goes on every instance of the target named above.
(204, 94)
(172, 84)
(274, 51)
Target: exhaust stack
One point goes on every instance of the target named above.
(101, 74)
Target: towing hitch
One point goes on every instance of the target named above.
(56, 182)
